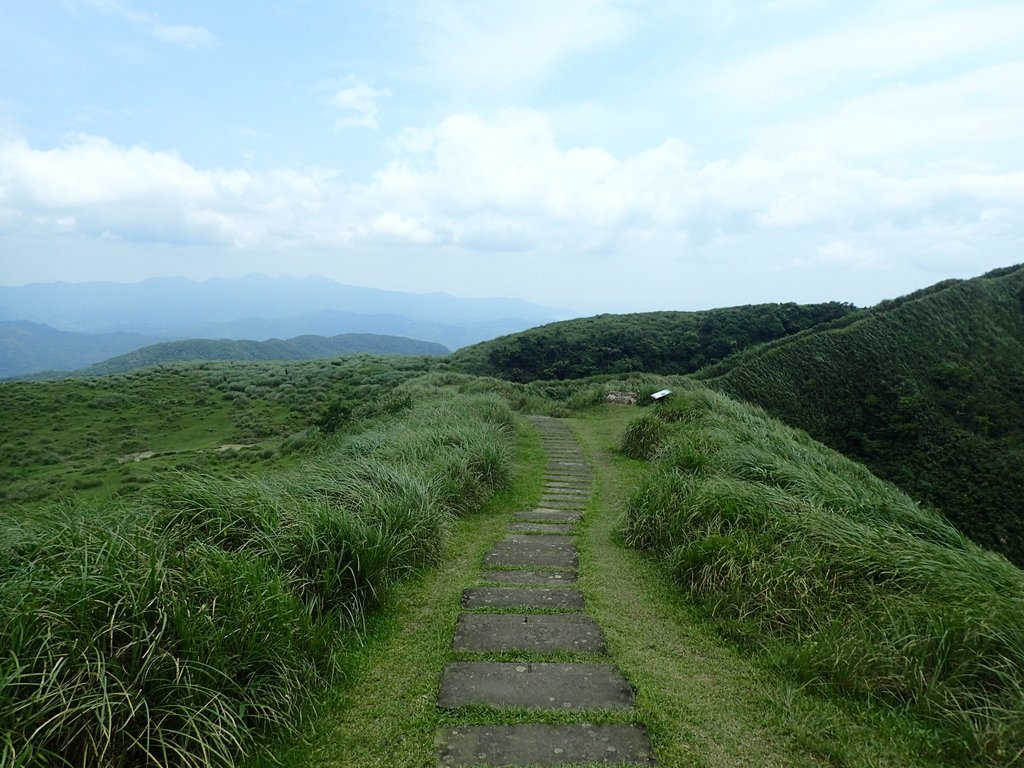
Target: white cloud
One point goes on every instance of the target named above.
(972, 114)
(184, 35)
(894, 44)
(505, 183)
(497, 46)
(357, 102)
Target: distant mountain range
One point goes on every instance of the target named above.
(299, 348)
(27, 347)
(103, 319)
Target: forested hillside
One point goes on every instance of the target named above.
(927, 390)
(657, 342)
(299, 348)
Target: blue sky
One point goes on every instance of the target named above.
(586, 154)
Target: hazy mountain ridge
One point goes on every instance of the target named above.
(298, 348)
(168, 304)
(255, 307)
(27, 347)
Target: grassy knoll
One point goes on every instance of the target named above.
(102, 436)
(177, 626)
(840, 580)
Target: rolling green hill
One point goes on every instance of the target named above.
(299, 348)
(657, 342)
(926, 390)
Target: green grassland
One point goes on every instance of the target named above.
(179, 624)
(106, 435)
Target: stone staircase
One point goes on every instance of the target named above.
(526, 610)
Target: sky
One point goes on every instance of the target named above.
(592, 155)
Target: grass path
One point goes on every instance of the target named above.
(705, 703)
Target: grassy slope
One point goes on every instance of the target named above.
(662, 342)
(927, 391)
(838, 578)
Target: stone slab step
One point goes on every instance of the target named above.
(569, 486)
(523, 598)
(566, 490)
(536, 744)
(567, 473)
(539, 633)
(547, 542)
(517, 556)
(534, 686)
(549, 578)
(562, 499)
(546, 514)
(542, 528)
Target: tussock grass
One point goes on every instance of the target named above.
(847, 582)
(175, 627)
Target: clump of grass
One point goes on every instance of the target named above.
(842, 579)
(173, 628)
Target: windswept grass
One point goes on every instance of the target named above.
(173, 628)
(842, 579)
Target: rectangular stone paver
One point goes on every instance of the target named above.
(562, 498)
(539, 633)
(523, 598)
(533, 686)
(562, 474)
(542, 528)
(504, 746)
(545, 514)
(550, 578)
(566, 487)
(528, 551)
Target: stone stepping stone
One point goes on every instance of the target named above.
(568, 485)
(559, 495)
(565, 490)
(560, 502)
(542, 528)
(565, 475)
(578, 466)
(548, 515)
(537, 744)
(566, 543)
(534, 686)
(537, 633)
(526, 557)
(526, 599)
(549, 578)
